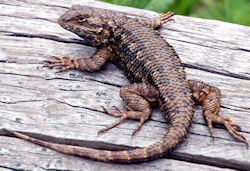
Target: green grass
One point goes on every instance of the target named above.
(234, 11)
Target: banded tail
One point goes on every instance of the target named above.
(173, 137)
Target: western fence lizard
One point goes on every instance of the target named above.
(156, 75)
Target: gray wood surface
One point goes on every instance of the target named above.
(66, 106)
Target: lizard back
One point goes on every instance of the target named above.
(146, 57)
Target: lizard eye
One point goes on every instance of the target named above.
(82, 19)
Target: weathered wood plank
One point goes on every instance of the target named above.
(45, 159)
(35, 100)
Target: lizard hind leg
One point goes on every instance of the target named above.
(137, 98)
(210, 97)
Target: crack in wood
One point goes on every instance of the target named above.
(224, 73)
(10, 168)
(48, 37)
(218, 162)
(81, 42)
(21, 101)
(23, 17)
(73, 142)
(189, 42)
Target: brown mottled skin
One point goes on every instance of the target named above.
(156, 74)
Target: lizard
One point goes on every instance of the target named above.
(156, 75)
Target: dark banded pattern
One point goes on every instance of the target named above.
(147, 59)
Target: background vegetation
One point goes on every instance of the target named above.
(234, 11)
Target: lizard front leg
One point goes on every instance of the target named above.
(210, 97)
(137, 98)
(161, 19)
(91, 64)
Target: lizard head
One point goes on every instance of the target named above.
(88, 23)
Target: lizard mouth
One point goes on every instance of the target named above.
(62, 20)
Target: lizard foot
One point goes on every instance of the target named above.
(228, 124)
(66, 63)
(165, 18)
(131, 114)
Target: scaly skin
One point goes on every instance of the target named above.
(155, 70)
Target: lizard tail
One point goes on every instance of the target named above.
(167, 143)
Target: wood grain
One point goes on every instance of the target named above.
(67, 106)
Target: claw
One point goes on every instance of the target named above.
(112, 125)
(129, 108)
(112, 113)
(237, 126)
(235, 133)
(165, 18)
(229, 125)
(139, 125)
(65, 69)
(52, 65)
(122, 116)
(121, 111)
(56, 57)
(65, 62)
(210, 127)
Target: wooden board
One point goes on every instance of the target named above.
(66, 106)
